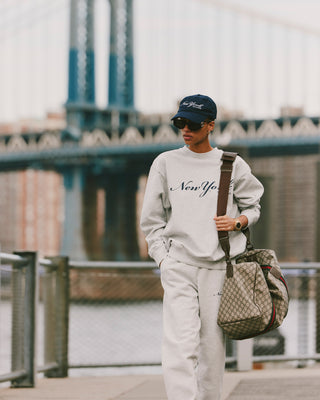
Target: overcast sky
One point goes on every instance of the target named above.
(303, 12)
(181, 47)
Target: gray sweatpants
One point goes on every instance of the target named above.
(193, 348)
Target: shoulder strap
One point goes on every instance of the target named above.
(225, 178)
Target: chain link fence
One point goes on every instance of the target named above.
(116, 319)
(109, 315)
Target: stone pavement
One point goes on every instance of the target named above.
(269, 384)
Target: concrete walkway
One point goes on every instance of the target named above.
(270, 384)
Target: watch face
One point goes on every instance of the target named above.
(238, 225)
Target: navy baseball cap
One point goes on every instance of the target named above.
(197, 108)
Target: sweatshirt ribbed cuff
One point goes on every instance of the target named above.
(159, 255)
(252, 216)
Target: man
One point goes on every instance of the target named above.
(180, 223)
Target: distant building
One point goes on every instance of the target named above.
(31, 201)
(53, 120)
(287, 111)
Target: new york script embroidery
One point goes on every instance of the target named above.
(203, 188)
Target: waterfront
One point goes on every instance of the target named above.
(130, 333)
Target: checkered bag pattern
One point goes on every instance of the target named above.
(277, 286)
(255, 298)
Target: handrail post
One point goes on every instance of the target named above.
(61, 318)
(17, 341)
(49, 302)
(318, 312)
(28, 359)
(244, 354)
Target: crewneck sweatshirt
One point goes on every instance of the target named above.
(180, 203)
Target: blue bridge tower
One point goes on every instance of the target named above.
(83, 180)
(82, 112)
(81, 84)
(121, 68)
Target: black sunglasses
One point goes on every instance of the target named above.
(180, 123)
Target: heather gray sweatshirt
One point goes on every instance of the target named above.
(181, 201)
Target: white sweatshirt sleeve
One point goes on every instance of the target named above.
(154, 214)
(247, 191)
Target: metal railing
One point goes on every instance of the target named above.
(25, 301)
(24, 289)
(304, 285)
(306, 272)
(109, 290)
(55, 296)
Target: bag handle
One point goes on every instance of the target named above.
(225, 179)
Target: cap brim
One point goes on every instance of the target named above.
(194, 117)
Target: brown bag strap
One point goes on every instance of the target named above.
(225, 179)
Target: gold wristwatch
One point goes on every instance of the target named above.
(237, 225)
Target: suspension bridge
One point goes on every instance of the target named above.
(117, 69)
